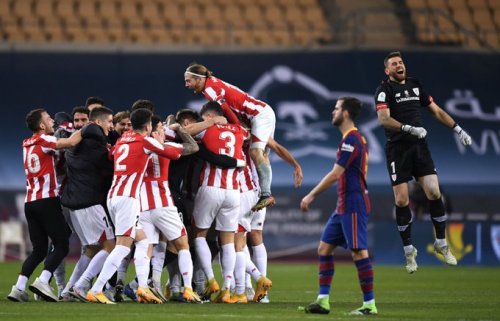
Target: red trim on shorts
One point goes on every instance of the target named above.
(354, 231)
(255, 139)
(102, 238)
(128, 232)
(241, 229)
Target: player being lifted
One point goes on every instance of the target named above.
(257, 113)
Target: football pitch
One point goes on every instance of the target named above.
(433, 293)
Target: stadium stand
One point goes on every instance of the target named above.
(238, 23)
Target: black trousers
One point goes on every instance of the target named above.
(46, 220)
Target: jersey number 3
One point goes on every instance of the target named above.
(230, 141)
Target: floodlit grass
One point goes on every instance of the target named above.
(433, 293)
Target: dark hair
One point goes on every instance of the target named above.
(80, 110)
(199, 69)
(143, 103)
(186, 113)
(94, 100)
(140, 118)
(34, 118)
(391, 54)
(99, 112)
(212, 106)
(155, 120)
(60, 118)
(119, 116)
(352, 105)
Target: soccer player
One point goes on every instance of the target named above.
(257, 113)
(90, 172)
(93, 102)
(347, 226)
(131, 155)
(80, 116)
(42, 206)
(159, 214)
(218, 199)
(121, 123)
(399, 101)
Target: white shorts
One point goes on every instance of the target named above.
(91, 225)
(258, 219)
(216, 203)
(247, 200)
(263, 126)
(124, 212)
(165, 220)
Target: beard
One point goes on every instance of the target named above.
(338, 121)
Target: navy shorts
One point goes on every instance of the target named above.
(348, 230)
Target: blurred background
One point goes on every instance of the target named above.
(297, 55)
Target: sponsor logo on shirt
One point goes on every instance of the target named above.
(347, 148)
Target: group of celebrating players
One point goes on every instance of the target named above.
(133, 182)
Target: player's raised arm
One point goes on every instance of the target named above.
(69, 142)
(285, 155)
(189, 144)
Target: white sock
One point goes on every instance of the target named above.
(121, 273)
(45, 277)
(228, 262)
(60, 274)
(141, 261)
(80, 267)
(204, 256)
(198, 278)
(251, 269)
(110, 266)
(157, 263)
(21, 282)
(440, 242)
(239, 272)
(186, 267)
(260, 258)
(248, 278)
(94, 267)
(408, 249)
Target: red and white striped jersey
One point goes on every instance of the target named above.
(154, 190)
(39, 166)
(131, 155)
(222, 140)
(248, 176)
(239, 101)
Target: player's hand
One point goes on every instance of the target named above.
(297, 177)
(220, 120)
(420, 132)
(170, 120)
(465, 138)
(304, 204)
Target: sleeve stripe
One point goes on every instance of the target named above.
(381, 106)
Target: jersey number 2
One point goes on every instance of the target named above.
(123, 152)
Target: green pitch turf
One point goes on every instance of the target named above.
(433, 293)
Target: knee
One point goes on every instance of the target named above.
(402, 201)
(324, 250)
(434, 194)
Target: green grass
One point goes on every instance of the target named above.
(433, 293)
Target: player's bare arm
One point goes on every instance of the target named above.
(285, 155)
(331, 178)
(72, 141)
(189, 144)
(196, 128)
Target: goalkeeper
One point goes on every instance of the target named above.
(399, 101)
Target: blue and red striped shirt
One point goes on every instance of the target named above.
(352, 155)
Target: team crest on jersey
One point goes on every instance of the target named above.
(407, 94)
(416, 91)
